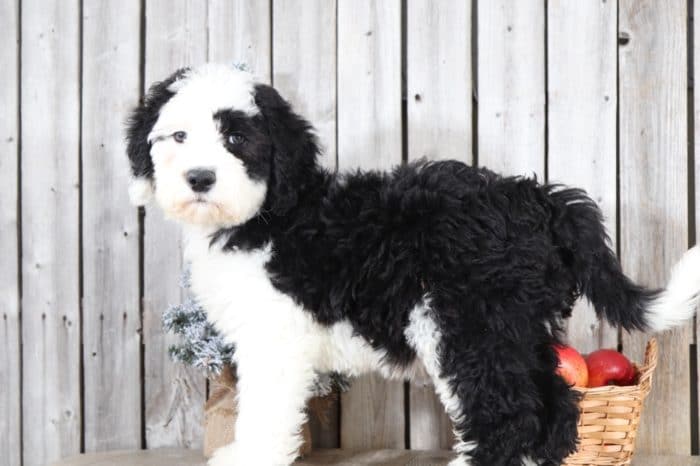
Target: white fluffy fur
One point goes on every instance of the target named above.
(276, 340)
(679, 301)
(140, 191)
(235, 197)
(218, 87)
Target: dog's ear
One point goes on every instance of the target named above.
(138, 148)
(294, 148)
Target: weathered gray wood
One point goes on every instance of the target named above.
(439, 105)
(439, 80)
(511, 86)
(650, 460)
(10, 427)
(239, 32)
(155, 457)
(305, 29)
(369, 83)
(305, 64)
(174, 457)
(696, 150)
(582, 93)
(430, 425)
(369, 136)
(441, 458)
(50, 137)
(111, 315)
(654, 195)
(174, 394)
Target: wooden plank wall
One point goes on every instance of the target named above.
(111, 317)
(593, 93)
(511, 86)
(50, 225)
(10, 397)
(653, 161)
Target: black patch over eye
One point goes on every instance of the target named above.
(179, 136)
(244, 137)
(236, 139)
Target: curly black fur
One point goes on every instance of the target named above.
(500, 259)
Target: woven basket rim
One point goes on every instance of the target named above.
(645, 373)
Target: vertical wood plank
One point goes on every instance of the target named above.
(439, 127)
(369, 83)
(10, 424)
(369, 136)
(50, 125)
(174, 394)
(304, 63)
(511, 86)
(111, 315)
(439, 80)
(582, 101)
(654, 196)
(239, 32)
(695, 45)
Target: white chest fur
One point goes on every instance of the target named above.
(234, 289)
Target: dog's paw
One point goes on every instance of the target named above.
(233, 455)
(225, 456)
(460, 461)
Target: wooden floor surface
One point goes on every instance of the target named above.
(175, 457)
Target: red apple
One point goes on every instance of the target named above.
(608, 367)
(572, 367)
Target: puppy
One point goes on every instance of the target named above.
(438, 265)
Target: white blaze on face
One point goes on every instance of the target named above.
(235, 197)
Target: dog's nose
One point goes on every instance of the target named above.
(200, 179)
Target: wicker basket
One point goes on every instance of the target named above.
(610, 416)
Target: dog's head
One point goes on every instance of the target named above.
(215, 147)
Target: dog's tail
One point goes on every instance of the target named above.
(579, 232)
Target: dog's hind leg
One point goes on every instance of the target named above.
(486, 384)
(424, 336)
(561, 411)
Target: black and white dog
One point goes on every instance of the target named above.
(439, 266)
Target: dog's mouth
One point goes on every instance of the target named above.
(196, 203)
(201, 210)
(198, 200)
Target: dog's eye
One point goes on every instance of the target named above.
(236, 139)
(179, 136)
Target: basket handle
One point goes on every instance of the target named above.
(651, 357)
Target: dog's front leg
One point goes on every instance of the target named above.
(273, 387)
